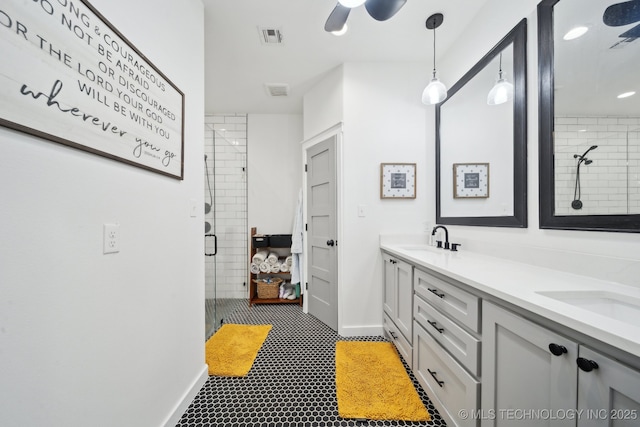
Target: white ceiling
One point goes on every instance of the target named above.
(237, 64)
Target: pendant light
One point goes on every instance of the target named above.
(502, 91)
(436, 91)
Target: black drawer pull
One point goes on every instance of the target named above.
(394, 336)
(441, 330)
(433, 374)
(586, 364)
(557, 349)
(435, 292)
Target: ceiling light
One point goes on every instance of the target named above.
(436, 91)
(502, 91)
(340, 31)
(626, 94)
(351, 3)
(575, 32)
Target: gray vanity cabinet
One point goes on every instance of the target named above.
(446, 346)
(520, 372)
(609, 395)
(398, 304)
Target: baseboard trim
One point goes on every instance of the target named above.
(187, 398)
(361, 331)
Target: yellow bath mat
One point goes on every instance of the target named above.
(371, 383)
(230, 352)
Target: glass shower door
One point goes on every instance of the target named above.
(210, 252)
(226, 230)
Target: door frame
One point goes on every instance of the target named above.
(337, 131)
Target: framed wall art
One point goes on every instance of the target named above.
(397, 180)
(470, 180)
(69, 76)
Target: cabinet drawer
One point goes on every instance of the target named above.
(462, 346)
(401, 343)
(450, 387)
(462, 306)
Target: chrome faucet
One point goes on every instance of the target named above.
(446, 236)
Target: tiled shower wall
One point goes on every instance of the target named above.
(226, 150)
(611, 184)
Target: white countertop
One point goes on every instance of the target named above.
(519, 284)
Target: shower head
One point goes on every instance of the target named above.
(582, 157)
(587, 162)
(593, 147)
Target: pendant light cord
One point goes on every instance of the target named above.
(434, 47)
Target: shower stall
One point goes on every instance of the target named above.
(225, 216)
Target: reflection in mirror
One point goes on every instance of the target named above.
(481, 141)
(589, 55)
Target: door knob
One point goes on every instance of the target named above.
(330, 243)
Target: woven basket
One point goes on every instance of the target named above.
(268, 290)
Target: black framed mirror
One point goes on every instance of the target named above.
(481, 141)
(589, 130)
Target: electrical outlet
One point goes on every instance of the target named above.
(111, 240)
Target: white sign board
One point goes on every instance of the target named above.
(67, 75)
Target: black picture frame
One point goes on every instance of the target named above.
(548, 218)
(517, 36)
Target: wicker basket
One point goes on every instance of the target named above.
(268, 290)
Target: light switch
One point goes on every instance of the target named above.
(362, 211)
(193, 208)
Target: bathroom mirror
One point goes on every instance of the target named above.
(589, 56)
(481, 155)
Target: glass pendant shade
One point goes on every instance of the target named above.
(501, 92)
(435, 92)
(351, 3)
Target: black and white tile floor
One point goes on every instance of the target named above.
(292, 381)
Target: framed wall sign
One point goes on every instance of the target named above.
(470, 180)
(397, 180)
(69, 76)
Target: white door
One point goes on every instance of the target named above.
(322, 232)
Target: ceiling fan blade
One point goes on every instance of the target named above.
(337, 18)
(624, 13)
(381, 10)
(633, 33)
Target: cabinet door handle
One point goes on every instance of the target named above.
(433, 374)
(394, 336)
(586, 364)
(441, 330)
(435, 292)
(330, 243)
(557, 349)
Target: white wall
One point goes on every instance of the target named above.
(384, 122)
(612, 256)
(85, 336)
(274, 180)
(323, 105)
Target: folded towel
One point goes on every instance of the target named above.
(265, 267)
(260, 256)
(289, 260)
(275, 268)
(255, 268)
(284, 267)
(272, 258)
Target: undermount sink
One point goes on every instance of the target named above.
(610, 304)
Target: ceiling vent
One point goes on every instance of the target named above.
(277, 89)
(271, 36)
